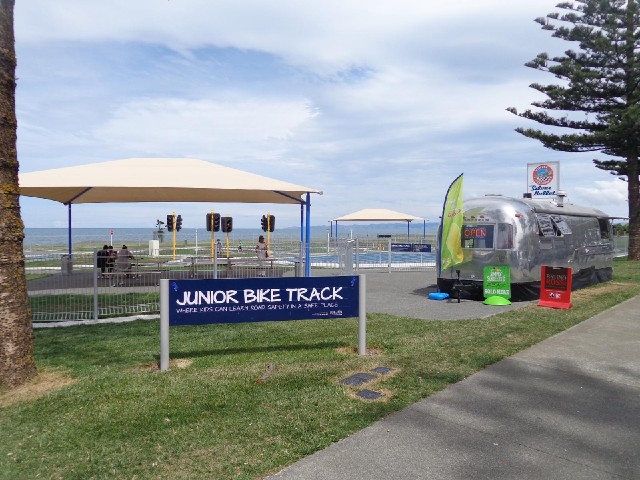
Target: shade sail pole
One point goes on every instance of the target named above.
(69, 225)
(301, 234)
(68, 204)
(307, 263)
(301, 223)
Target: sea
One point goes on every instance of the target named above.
(35, 237)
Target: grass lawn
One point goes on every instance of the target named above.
(114, 415)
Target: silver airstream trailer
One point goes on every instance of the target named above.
(527, 234)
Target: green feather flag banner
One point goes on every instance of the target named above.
(450, 242)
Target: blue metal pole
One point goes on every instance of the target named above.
(307, 263)
(302, 223)
(69, 226)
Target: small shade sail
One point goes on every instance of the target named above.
(377, 215)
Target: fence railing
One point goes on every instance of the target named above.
(81, 286)
(75, 287)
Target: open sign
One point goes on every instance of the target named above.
(475, 232)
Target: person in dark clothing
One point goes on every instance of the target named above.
(103, 257)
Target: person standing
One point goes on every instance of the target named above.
(261, 251)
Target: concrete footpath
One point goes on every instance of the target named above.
(566, 408)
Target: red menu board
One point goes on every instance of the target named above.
(555, 287)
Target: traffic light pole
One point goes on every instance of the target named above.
(213, 236)
(268, 233)
(174, 235)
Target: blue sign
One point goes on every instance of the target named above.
(200, 302)
(411, 247)
(422, 247)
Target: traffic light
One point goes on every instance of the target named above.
(215, 225)
(227, 224)
(170, 222)
(272, 223)
(178, 223)
(263, 223)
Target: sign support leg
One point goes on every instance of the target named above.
(362, 315)
(164, 324)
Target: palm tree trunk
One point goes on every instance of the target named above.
(17, 362)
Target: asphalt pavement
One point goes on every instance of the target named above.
(566, 408)
(406, 294)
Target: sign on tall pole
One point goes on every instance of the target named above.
(543, 179)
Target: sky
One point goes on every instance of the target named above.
(379, 104)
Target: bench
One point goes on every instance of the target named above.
(120, 276)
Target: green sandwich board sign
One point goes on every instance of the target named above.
(497, 284)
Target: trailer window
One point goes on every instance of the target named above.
(477, 236)
(561, 225)
(545, 226)
(504, 237)
(605, 228)
(552, 225)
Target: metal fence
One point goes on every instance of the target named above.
(78, 287)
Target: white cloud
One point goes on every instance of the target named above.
(218, 130)
(376, 103)
(333, 34)
(607, 195)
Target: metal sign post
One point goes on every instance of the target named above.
(362, 316)
(164, 324)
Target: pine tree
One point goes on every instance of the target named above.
(597, 96)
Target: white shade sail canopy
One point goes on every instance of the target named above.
(157, 180)
(377, 215)
(134, 180)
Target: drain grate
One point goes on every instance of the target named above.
(358, 379)
(367, 394)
